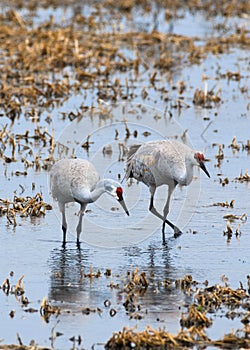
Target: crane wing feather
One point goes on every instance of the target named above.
(158, 162)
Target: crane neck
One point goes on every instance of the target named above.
(98, 190)
(189, 168)
(90, 196)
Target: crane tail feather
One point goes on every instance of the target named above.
(129, 168)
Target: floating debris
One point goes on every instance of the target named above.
(88, 310)
(238, 232)
(208, 299)
(6, 286)
(46, 309)
(107, 150)
(243, 178)
(195, 318)
(107, 303)
(112, 312)
(133, 286)
(224, 181)
(160, 339)
(87, 143)
(228, 232)
(236, 76)
(234, 145)
(76, 340)
(12, 313)
(219, 156)
(107, 273)
(92, 274)
(225, 204)
(136, 281)
(136, 285)
(232, 217)
(214, 297)
(122, 152)
(186, 283)
(246, 146)
(17, 289)
(25, 147)
(24, 207)
(205, 98)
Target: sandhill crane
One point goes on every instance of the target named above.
(76, 180)
(163, 162)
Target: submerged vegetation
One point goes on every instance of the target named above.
(23, 206)
(208, 303)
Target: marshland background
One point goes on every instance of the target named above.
(89, 79)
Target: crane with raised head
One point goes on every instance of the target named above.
(163, 162)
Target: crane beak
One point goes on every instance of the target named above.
(121, 201)
(202, 166)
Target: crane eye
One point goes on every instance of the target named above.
(119, 192)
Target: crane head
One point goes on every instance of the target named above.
(114, 188)
(119, 197)
(200, 160)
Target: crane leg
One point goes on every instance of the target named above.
(64, 229)
(177, 231)
(64, 223)
(151, 205)
(79, 226)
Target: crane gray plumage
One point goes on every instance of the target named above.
(76, 180)
(163, 162)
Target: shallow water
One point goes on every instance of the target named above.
(111, 240)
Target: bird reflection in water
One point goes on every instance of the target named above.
(67, 266)
(72, 286)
